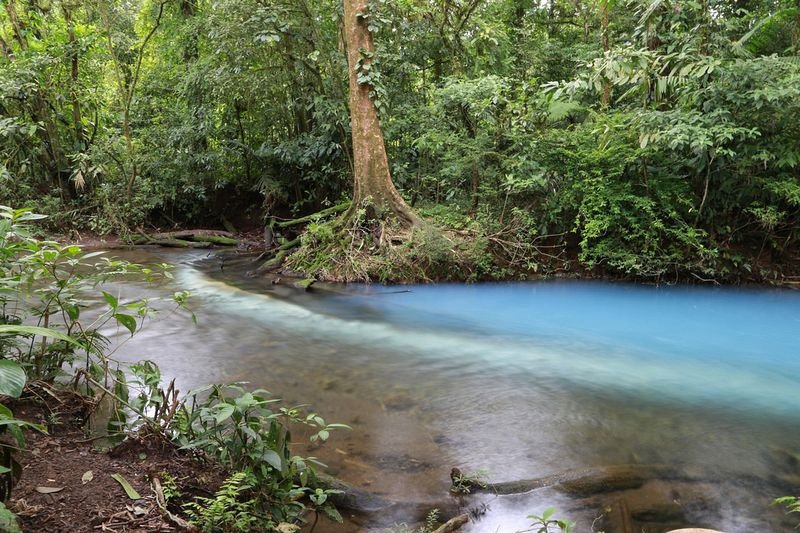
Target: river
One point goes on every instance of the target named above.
(521, 380)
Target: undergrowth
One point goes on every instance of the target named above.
(48, 343)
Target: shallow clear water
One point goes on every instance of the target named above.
(520, 379)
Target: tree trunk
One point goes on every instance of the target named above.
(606, 98)
(77, 119)
(372, 180)
(16, 25)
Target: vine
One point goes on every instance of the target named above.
(367, 71)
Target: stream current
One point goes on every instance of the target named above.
(519, 379)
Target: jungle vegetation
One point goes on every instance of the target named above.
(475, 139)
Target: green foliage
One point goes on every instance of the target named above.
(8, 521)
(249, 433)
(495, 111)
(463, 483)
(169, 487)
(226, 511)
(544, 522)
(45, 283)
(430, 525)
(244, 431)
(791, 503)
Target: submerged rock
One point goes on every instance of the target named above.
(398, 402)
(400, 463)
(694, 530)
(588, 481)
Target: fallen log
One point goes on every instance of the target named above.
(178, 243)
(454, 524)
(196, 238)
(220, 240)
(193, 234)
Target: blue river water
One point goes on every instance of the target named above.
(519, 379)
(734, 347)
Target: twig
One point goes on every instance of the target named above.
(161, 501)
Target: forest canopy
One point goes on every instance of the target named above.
(653, 139)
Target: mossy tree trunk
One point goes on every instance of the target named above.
(372, 181)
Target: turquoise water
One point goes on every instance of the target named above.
(520, 379)
(738, 348)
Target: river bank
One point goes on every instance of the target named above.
(754, 268)
(67, 484)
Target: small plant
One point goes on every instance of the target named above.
(792, 504)
(430, 525)
(242, 430)
(45, 284)
(155, 406)
(12, 381)
(228, 510)
(169, 487)
(544, 522)
(462, 483)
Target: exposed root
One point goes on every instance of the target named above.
(370, 244)
(277, 259)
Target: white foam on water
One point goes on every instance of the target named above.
(656, 376)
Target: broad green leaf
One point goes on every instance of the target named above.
(12, 378)
(73, 311)
(127, 321)
(129, 490)
(111, 299)
(27, 216)
(36, 330)
(273, 459)
(8, 521)
(224, 412)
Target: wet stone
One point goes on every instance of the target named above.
(401, 463)
(398, 402)
(328, 383)
(660, 514)
(694, 530)
(441, 439)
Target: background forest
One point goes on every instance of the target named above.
(653, 139)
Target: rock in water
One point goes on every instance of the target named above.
(694, 530)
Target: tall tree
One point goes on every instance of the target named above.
(372, 180)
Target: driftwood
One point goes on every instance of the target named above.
(196, 238)
(454, 524)
(177, 243)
